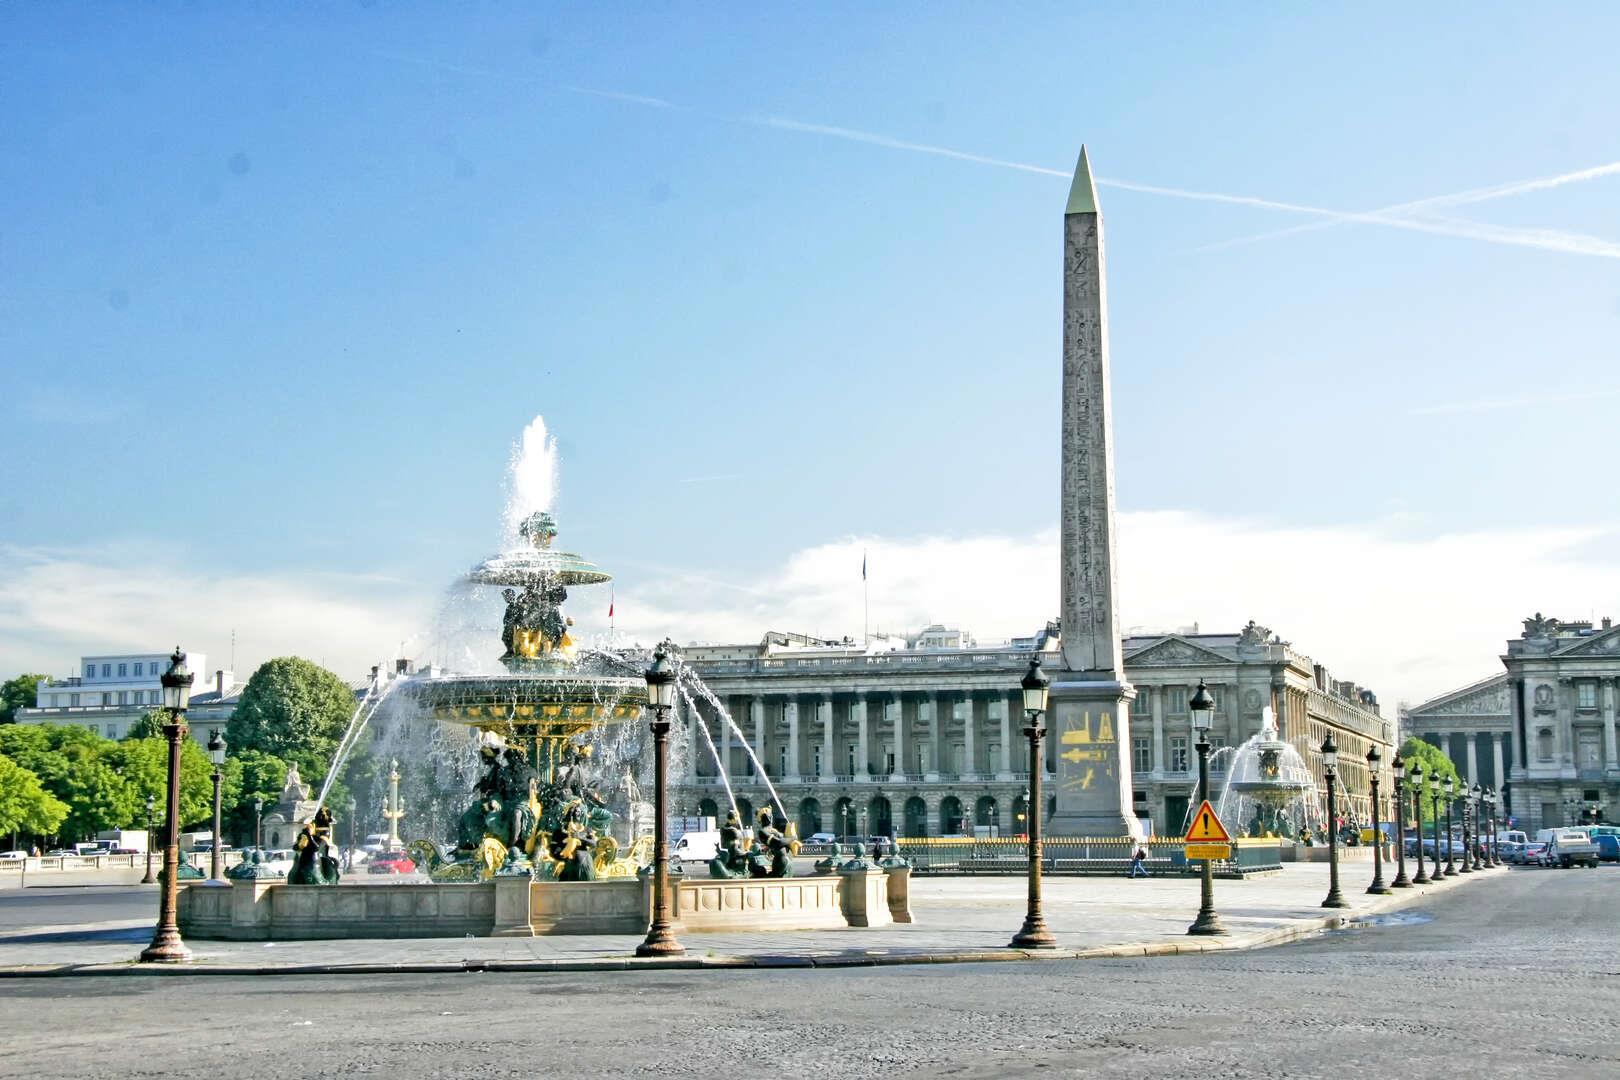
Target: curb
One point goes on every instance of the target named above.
(1239, 942)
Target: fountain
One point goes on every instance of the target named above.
(1269, 789)
(534, 849)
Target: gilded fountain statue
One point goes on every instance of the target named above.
(536, 809)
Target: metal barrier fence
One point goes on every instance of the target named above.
(1078, 855)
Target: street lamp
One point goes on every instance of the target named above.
(258, 824)
(1035, 685)
(1377, 888)
(1422, 876)
(1398, 767)
(1462, 812)
(661, 698)
(151, 827)
(216, 754)
(167, 947)
(1494, 850)
(1476, 796)
(1444, 788)
(1202, 707)
(1434, 817)
(1330, 763)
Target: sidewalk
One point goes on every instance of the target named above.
(958, 920)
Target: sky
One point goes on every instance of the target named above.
(280, 288)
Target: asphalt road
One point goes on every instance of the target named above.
(1516, 976)
(22, 909)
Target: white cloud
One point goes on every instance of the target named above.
(1407, 615)
(59, 604)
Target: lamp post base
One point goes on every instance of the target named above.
(1335, 900)
(660, 942)
(1208, 924)
(1378, 888)
(166, 948)
(1033, 935)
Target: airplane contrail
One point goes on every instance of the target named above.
(1459, 198)
(1389, 217)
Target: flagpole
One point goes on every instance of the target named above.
(866, 605)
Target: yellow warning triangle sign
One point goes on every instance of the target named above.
(1206, 828)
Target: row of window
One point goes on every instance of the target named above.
(108, 698)
(124, 671)
(1180, 761)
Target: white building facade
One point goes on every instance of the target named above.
(929, 741)
(109, 694)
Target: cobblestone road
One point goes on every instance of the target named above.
(1518, 975)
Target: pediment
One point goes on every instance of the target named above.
(1481, 698)
(1606, 643)
(1175, 651)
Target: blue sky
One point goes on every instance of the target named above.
(311, 273)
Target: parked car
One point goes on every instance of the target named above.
(821, 838)
(391, 863)
(1509, 850)
(1570, 847)
(60, 851)
(1608, 845)
(279, 861)
(8, 855)
(1530, 853)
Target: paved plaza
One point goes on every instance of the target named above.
(102, 928)
(1513, 975)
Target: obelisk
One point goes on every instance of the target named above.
(1089, 722)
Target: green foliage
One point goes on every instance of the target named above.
(105, 784)
(25, 806)
(18, 693)
(1434, 760)
(294, 710)
(149, 726)
(249, 775)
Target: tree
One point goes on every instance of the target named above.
(149, 726)
(294, 710)
(1434, 761)
(249, 775)
(25, 806)
(144, 766)
(18, 693)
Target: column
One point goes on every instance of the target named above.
(998, 716)
(1610, 692)
(723, 738)
(1156, 703)
(790, 709)
(929, 708)
(756, 716)
(1496, 761)
(894, 710)
(863, 756)
(824, 708)
(964, 713)
(1473, 758)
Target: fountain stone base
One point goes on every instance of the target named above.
(515, 906)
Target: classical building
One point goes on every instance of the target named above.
(1544, 730)
(929, 741)
(110, 693)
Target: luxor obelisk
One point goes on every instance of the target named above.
(1090, 705)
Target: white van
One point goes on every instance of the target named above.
(1567, 847)
(696, 846)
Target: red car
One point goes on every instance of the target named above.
(392, 863)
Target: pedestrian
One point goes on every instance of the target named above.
(1137, 867)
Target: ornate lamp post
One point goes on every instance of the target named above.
(216, 754)
(258, 823)
(151, 829)
(1493, 851)
(1034, 934)
(660, 698)
(1451, 869)
(1377, 888)
(1202, 706)
(1476, 796)
(1422, 876)
(1434, 815)
(1330, 768)
(1464, 812)
(166, 947)
(1398, 767)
